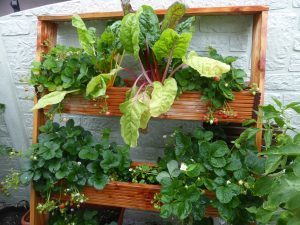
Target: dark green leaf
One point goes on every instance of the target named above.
(174, 14)
(194, 170)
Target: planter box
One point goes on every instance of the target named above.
(130, 195)
(187, 107)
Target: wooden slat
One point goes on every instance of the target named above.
(187, 107)
(227, 10)
(130, 195)
(258, 60)
(46, 39)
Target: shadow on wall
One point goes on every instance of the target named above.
(5, 7)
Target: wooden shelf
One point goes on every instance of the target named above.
(227, 10)
(130, 195)
(189, 106)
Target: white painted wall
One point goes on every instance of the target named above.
(230, 35)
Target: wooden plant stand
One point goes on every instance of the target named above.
(188, 107)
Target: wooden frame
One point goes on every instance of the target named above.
(47, 31)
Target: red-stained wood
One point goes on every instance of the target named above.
(188, 107)
(258, 60)
(226, 10)
(46, 38)
(129, 195)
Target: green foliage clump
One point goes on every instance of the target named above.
(195, 166)
(68, 158)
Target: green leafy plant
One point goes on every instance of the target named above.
(161, 50)
(144, 174)
(67, 158)
(217, 91)
(194, 166)
(280, 184)
(93, 68)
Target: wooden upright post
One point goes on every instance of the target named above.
(258, 59)
(46, 38)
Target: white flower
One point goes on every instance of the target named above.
(183, 167)
(228, 182)
(79, 163)
(81, 201)
(186, 186)
(130, 169)
(164, 136)
(34, 158)
(241, 182)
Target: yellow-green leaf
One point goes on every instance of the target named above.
(52, 98)
(206, 67)
(163, 96)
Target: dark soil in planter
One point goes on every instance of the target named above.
(11, 215)
(108, 215)
(105, 215)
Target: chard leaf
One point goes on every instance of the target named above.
(87, 37)
(146, 115)
(149, 27)
(132, 110)
(130, 32)
(171, 44)
(52, 98)
(97, 85)
(186, 26)
(163, 96)
(206, 67)
(174, 14)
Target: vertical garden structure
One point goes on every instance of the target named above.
(187, 107)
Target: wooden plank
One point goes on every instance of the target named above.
(226, 10)
(258, 60)
(187, 107)
(129, 195)
(46, 38)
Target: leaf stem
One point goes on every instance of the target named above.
(156, 72)
(147, 55)
(167, 67)
(144, 71)
(137, 79)
(139, 90)
(176, 69)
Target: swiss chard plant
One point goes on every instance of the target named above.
(194, 167)
(161, 50)
(280, 184)
(90, 69)
(67, 158)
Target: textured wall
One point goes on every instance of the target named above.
(230, 35)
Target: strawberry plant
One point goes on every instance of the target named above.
(161, 50)
(194, 165)
(68, 158)
(280, 184)
(216, 91)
